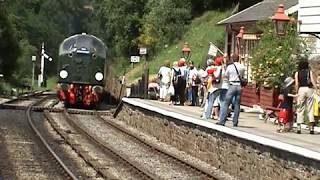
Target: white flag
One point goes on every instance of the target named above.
(213, 50)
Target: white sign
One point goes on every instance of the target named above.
(213, 50)
(135, 59)
(250, 37)
(309, 16)
(33, 58)
(143, 51)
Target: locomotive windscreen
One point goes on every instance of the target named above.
(88, 42)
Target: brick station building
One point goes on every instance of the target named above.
(248, 18)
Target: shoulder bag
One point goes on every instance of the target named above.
(243, 81)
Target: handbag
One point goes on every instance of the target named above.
(171, 90)
(243, 81)
(283, 116)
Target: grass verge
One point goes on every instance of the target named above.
(201, 31)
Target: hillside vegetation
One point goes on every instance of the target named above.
(201, 31)
(122, 25)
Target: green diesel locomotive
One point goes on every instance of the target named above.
(82, 59)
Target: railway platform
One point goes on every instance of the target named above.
(4, 100)
(249, 127)
(253, 150)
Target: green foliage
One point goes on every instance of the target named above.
(275, 57)
(24, 61)
(9, 46)
(122, 25)
(118, 23)
(28, 24)
(201, 31)
(175, 15)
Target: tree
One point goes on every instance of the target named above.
(120, 21)
(175, 15)
(9, 47)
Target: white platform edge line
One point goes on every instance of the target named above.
(240, 134)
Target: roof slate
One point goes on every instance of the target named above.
(259, 11)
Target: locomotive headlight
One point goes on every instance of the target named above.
(99, 76)
(63, 74)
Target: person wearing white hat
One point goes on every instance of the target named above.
(285, 116)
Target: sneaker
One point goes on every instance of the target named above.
(311, 129)
(299, 129)
(218, 123)
(204, 118)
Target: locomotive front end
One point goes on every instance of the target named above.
(81, 70)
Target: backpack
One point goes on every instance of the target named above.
(197, 80)
(177, 77)
(218, 79)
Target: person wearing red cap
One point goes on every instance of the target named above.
(215, 87)
(182, 83)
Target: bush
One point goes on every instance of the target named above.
(276, 57)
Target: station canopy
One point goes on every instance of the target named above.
(83, 43)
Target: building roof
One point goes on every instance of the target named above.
(259, 11)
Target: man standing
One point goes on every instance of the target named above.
(193, 83)
(164, 76)
(233, 72)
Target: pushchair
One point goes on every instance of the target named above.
(153, 91)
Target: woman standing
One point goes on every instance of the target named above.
(304, 84)
(175, 75)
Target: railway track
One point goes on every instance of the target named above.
(22, 154)
(138, 159)
(104, 160)
(66, 170)
(107, 150)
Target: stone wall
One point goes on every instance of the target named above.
(238, 157)
(113, 88)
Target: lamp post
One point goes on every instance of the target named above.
(186, 51)
(33, 59)
(239, 38)
(143, 52)
(280, 20)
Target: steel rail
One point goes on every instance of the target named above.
(76, 148)
(20, 97)
(160, 149)
(122, 156)
(61, 163)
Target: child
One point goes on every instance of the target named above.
(286, 102)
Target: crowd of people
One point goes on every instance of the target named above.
(213, 87)
(217, 88)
